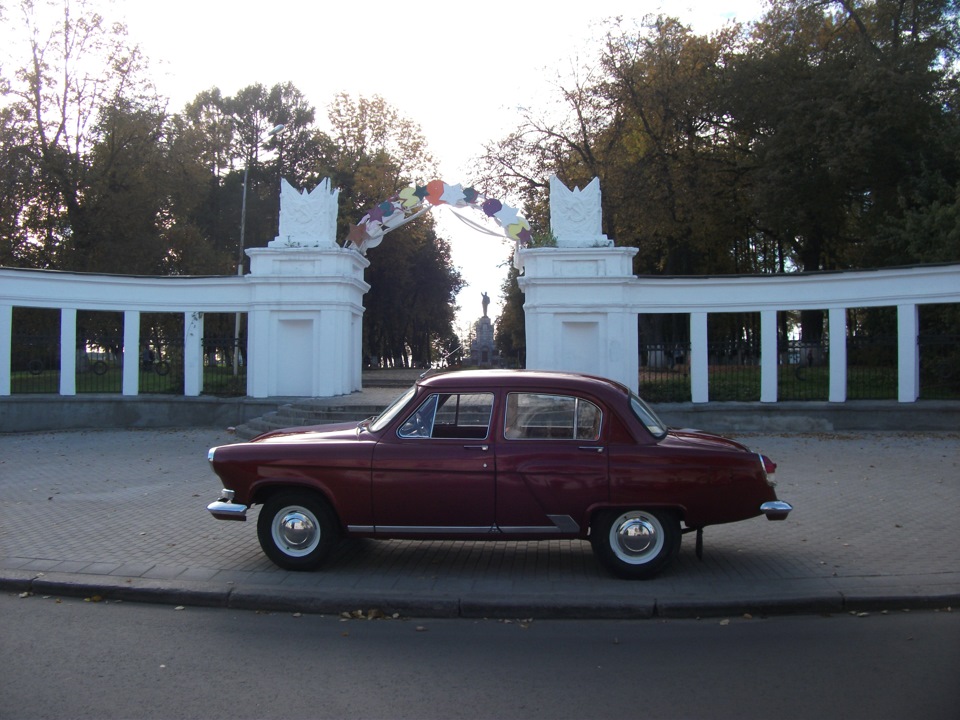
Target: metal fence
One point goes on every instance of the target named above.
(940, 367)
(224, 366)
(803, 370)
(36, 367)
(734, 369)
(35, 364)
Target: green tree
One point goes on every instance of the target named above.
(72, 69)
(823, 136)
(511, 331)
(852, 140)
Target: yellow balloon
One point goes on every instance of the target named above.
(409, 197)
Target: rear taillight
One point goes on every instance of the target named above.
(769, 468)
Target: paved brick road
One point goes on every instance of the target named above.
(875, 524)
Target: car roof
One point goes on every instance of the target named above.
(521, 379)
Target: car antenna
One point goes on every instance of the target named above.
(429, 370)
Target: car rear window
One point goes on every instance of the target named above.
(539, 416)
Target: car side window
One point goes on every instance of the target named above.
(537, 416)
(458, 416)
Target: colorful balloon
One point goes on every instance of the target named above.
(435, 190)
(491, 207)
(516, 228)
(409, 197)
(393, 213)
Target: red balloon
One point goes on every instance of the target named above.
(435, 189)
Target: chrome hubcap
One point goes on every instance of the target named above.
(636, 537)
(296, 531)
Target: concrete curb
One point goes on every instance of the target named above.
(207, 594)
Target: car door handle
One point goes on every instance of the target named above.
(476, 447)
(592, 448)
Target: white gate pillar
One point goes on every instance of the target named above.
(769, 357)
(699, 358)
(837, 324)
(6, 347)
(578, 312)
(192, 354)
(68, 351)
(305, 310)
(131, 352)
(908, 353)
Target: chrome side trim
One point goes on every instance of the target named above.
(561, 524)
(776, 509)
(433, 529)
(529, 529)
(565, 523)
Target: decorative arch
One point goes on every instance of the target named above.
(411, 202)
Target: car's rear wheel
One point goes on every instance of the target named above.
(636, 544)
(297, 530)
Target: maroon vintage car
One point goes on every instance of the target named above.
(496, 455)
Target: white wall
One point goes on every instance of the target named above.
(581, 307)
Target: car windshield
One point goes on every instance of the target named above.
(384, 418)
(647, 416)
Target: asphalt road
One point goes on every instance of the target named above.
(70, 658)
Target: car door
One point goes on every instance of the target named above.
(436, 475)
(552, 463)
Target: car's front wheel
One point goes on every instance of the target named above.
(636, 544)
(297, 530)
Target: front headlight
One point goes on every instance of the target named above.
(210, 454)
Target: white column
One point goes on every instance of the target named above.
(6, 347)
(838, 354)
(769, 358)
(300, 339)
(699, 358)
(192, 353)
(131, 352)
(908, 353)
(258, 353)
(68, 351)
(577, 312)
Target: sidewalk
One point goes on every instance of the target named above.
(121, 514)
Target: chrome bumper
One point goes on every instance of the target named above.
(226, 509)
(776, 509)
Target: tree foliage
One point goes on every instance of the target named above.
(824, 136)
(97, 175)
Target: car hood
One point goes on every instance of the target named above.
(311, 433)
(698, 438)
